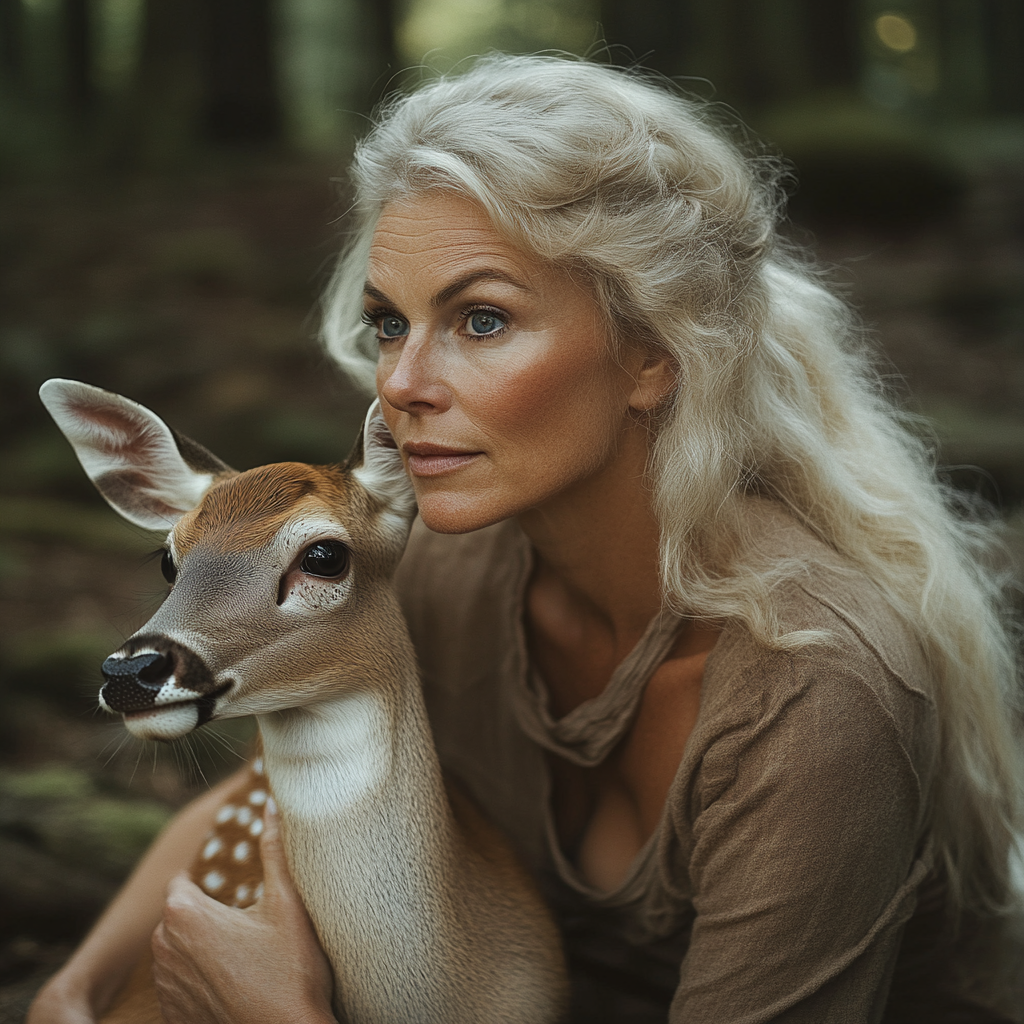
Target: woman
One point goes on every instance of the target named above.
(697, 626)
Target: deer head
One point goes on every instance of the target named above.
(279, 576)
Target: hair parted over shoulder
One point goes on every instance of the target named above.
(634, 189)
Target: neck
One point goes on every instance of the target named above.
(370, 844)
(597, 548)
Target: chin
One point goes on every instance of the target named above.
(450, 514)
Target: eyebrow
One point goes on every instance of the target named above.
(449, 292)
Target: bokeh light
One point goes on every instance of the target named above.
(896, 32)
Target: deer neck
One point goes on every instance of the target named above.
(370, 842)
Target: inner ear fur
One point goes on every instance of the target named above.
(376, 463)
(147, 472)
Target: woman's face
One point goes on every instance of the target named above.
(494, 374)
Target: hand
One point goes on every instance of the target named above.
(263, 965)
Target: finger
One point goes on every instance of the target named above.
(181, 891)
(277, 880)
(186, 903)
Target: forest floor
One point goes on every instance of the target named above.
(198, 297)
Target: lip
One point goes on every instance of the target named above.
(426, 459)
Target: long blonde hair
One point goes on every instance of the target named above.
(634, 188)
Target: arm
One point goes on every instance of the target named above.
(84, 988)
(805, 861)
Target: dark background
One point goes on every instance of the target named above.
(172, 194)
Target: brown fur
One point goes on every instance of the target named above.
(245, 511)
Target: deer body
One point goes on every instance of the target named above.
(282, 607)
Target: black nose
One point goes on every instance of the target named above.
(133, 683)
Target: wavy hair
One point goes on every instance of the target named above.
(637, 190)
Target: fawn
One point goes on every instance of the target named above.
(281, 606)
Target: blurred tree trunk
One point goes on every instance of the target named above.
(379, 66)
(160, 120)
(965, 68)
(12, 39)
(76, 31)
(653, 33)
(742, 77)
(241, 103)
(751, 51)
(1003, 27)
(206, 74)
(833, 43)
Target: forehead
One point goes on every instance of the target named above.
(443, 232)
(246, 511)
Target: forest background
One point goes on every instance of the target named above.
(172, 194)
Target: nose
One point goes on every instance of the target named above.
(412, 380)
(133, 683)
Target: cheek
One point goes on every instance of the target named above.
(386, 363)
(558, 403)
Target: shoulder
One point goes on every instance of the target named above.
(457, 562)
(444, 573)
(459, 594)
(858, 696)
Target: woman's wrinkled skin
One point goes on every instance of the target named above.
(499, 384)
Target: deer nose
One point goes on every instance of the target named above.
(133, 683)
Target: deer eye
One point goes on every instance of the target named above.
(167, 567)
(325, 558)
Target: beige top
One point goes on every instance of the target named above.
(793, 841)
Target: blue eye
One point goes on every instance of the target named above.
(393, 326)
(483, 323)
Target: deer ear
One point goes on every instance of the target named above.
(377, 464)
(146, 471)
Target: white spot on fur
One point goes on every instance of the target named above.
(243, 815)
(256, 827)
(258, 894)
(226, 813)
(212, 881)
(241, 851)
(257, 766)
(242, 893)
(258, 797)
(212, 848)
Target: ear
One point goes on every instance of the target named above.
(653, 382)
(146, 471)
(377, 464)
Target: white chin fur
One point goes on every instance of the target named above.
(166, 723)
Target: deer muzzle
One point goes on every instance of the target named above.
(163, 689)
